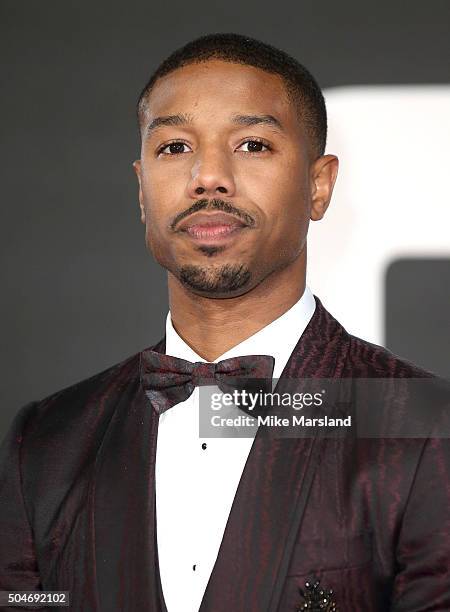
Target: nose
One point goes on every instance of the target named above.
(211, 174)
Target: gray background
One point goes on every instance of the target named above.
(79, 292)
(417, 311)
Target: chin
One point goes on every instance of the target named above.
(226, 280)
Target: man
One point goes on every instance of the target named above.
(108, 491)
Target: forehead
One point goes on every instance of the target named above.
(216, 88)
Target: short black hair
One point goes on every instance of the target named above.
(301, 86)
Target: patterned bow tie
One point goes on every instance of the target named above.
(169, 380)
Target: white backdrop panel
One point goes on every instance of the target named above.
(391, 199)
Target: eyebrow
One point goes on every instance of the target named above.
(248, 120)
(171, 120)
(183, 119)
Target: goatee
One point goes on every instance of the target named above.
(215, 280)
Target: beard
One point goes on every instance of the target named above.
(215, 281)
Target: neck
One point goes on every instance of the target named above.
(213, 326)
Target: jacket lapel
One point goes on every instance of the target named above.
(124, 507)
(267, 511)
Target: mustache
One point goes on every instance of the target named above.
(214, 204)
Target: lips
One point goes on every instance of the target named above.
(212, 228)
(212, 222)
(212, 231)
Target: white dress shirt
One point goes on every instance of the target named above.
(197, 479)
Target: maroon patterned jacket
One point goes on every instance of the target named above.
(369, 518)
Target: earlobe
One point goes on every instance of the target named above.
(324, 174)
(137, 169)
(142, 216)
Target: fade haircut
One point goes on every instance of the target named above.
(301, 87)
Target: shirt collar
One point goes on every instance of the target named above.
(278, 338)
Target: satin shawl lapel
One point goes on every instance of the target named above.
(256, 548)
(124, 507)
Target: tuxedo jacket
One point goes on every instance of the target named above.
(368, 518)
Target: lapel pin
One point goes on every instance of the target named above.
(317, 598)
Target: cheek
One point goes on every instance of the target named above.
(285, 200)
(293, 184)
(161, 195)
(153, 202)
(163, 199)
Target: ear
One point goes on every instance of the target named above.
(323, 176)
(138, 169)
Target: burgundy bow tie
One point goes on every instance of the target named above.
(169, 380)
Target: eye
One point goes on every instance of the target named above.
(254, 146)
(173, 148)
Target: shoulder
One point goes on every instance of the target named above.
(87, 403)
(96, 385)
(367, 359)
(354, 356)
(413, 400)
(67, 426)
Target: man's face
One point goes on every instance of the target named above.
(224, 138)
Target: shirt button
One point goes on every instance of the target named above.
(204, 445)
